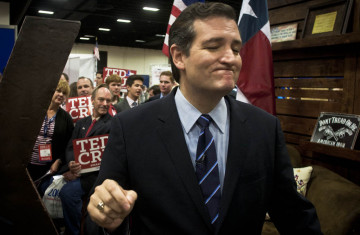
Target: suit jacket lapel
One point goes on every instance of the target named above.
(172, 137)
(99, 123)
(126, 104)
(85, 127)
(236, 150)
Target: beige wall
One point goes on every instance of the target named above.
(4, 13)
(125, 57)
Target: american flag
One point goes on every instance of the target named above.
(177, 8)
(96, 50)
(256, 79)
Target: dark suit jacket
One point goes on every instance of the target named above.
(155, 162)
(101, 127)
(62, 133)
(122, 105)
(155, 97)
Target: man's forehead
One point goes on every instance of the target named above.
(214, 22)
(103, 92)
(164, 77)
(138, 82)
(83, 80)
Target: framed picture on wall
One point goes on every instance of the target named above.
(336, 129)
(286, 32)
(330, 18)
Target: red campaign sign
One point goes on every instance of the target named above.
(79, 107)
(89, 151)
(123, 73)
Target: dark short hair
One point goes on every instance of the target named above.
(93, 94)
(169, 74)
(155, 89)
(66, 76)
(91, 82)
(182, 31)
(73, 90)
(130, 80)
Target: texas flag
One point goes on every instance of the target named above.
(177, 8)
(256, 79)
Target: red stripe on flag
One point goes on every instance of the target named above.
(165, 50)
(256, 78)
(175, 11)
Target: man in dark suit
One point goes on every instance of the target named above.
(170, 178)
(134, 87)
(167, 82)
(79, 185)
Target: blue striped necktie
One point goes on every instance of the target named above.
(207, 170)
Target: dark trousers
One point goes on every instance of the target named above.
(70, 196)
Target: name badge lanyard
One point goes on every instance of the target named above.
(47, 126)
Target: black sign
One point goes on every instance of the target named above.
(335, 129)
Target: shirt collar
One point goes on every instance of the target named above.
(188, 114)
(97, 119)
(130, 101)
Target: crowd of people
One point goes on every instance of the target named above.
(190, 159)
(58, 132)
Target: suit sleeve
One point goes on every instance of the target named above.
(113, 166)
(69, 131)
(114, 163)
(290, 211)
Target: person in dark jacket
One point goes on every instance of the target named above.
(49, 149)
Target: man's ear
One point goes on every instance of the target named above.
(177, 56)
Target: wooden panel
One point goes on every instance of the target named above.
(304, 126)
(309, 68)
(295, 139)
(346, 41)
(319, 94)
(305, 108)
(280, 3)
(353, 155)
(356, 18)
(336, 52)
(357, 87)
(324, 62)
(313, 82)
(349, 83)
(291, 12)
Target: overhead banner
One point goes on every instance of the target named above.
(79, 107)
(89, 151)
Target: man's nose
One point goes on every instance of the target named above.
(228, 56)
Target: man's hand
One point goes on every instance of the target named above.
(68, 176)
(75, 168)
(117, 204)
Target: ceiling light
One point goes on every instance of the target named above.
(89, 36)
(104, 29)
(160, 35)
(139, 41)
(150, 9)
(84, 38)
(46, 12)
(123, 21)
